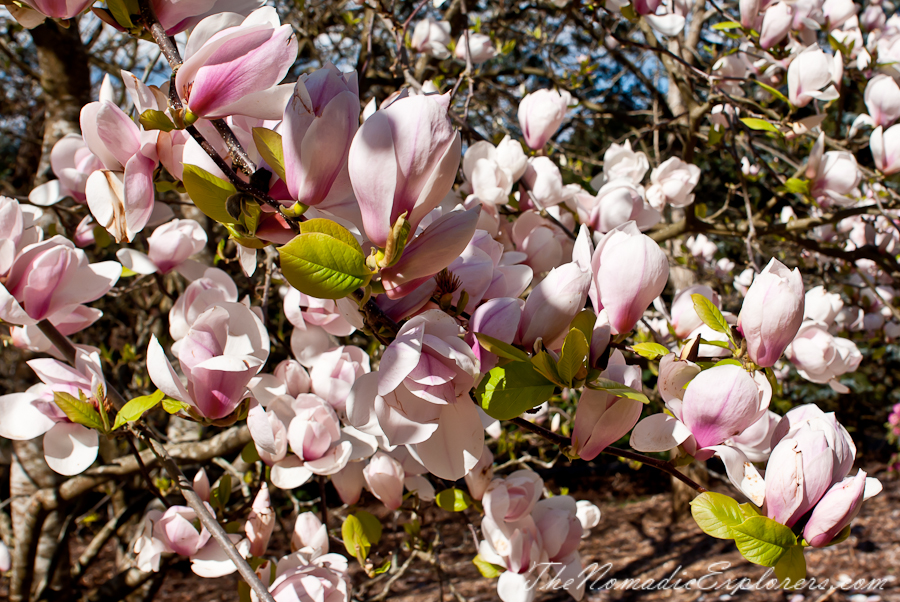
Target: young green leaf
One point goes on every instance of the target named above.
(135, 408)
(80, 412)
(332, 229)
(209, 193)
(270, 148)
(371, 526)
(584, 322)
(651, 351)
(618, 389)
(763, 541)
(710, 314)
(760, 125)
(453, 500)
(575, 351)
(726, 25)
(513, 389)
(501, 349)
(487, 570)
(354, 537)
(173, 406)
(323, 266)
(547, 366)
(791, 568)
(771, 91)
(716, 514)
(797, 186)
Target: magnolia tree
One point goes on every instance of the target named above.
(325, 281)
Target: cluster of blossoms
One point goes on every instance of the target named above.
(482, 300)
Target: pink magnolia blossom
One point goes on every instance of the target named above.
(837, 508)
(236, 70)
(601, 418)
(214, 288)
(885, 146)
(170, 246)
(432, 250)
(177, 16)
(260, 522)
(420, 396)
(480, 48)
(338, 318)
(776, 24)
(384, 477)
(492, 170)
(432, 36)
(821, 357)
(59, 9)
(17, 231)
(333, 373)
(325, 578)
(620, 161)
(50, 279)
(512, 498)
(835, 176)
(617, 203)
(553, 303)
(319, 124)
(225, 347)
(72, 162)
(498, 318)
(200, 484)
(684, 318)
(810, 72)
(544, 244)
(821, 306)
(772, 312)
(673, 182)
(540, 115)
(403, 159)
(310, 536)
(543, 184)
(629, 272)
(69, 448)
(480, 476)
(882, 97)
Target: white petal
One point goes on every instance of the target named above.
(136, 261)
(658, 433)
(290, 473)
(20, 419)
(70, 448)
(211, 561)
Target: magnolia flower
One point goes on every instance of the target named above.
(810, 72)
(629, 272)
(543, 181)
(882, 98)
(601, 418)
(403, 160)
(540, 115)
(835, 175)
(821, 306)
(56, 9)
(772, 312)
(72, 162)
(384, 477)
(225, 347)
(420, 396)
(170, 245)
(776, 24)
(885, 146)
(480, 476)
(553, 303)
(481, 48)
(325, 578)
(617, 203)
(50, 279)
(17, 231)
(214, 288)
(619, 161)
(432, 37)
(333, 373)
(673, 182)
(235, 71)
(260, 522)
(320, 121)
(493, 170)
(339, 318)
(544, 244)
(69, 448)
(821, 357)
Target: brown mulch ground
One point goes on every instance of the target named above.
(636, 536)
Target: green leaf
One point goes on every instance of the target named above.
(710, 314)
(80, 412)
(716, 514)
(121, 12)
(173, 406)
(749, 510)
(722, 344)
(575, 350)
(501, 349)
(135, 408)
(546, 366)
(250, 454)
(726, 25)
(384, 568)
(324, 266)
(330, 228)
(651, 351)
(728, 361)
(791, 568)
(270, 148)
(487, 570)
(221, 494)
(763, 541)
(453, 500)
(760, 125)
(771, 91)
(152, 119)
(797, 186)
(371, 526)
(209, 193)
(584, 322)
(359, 532)
(513, 389)
(618, 389)
(716, 133)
